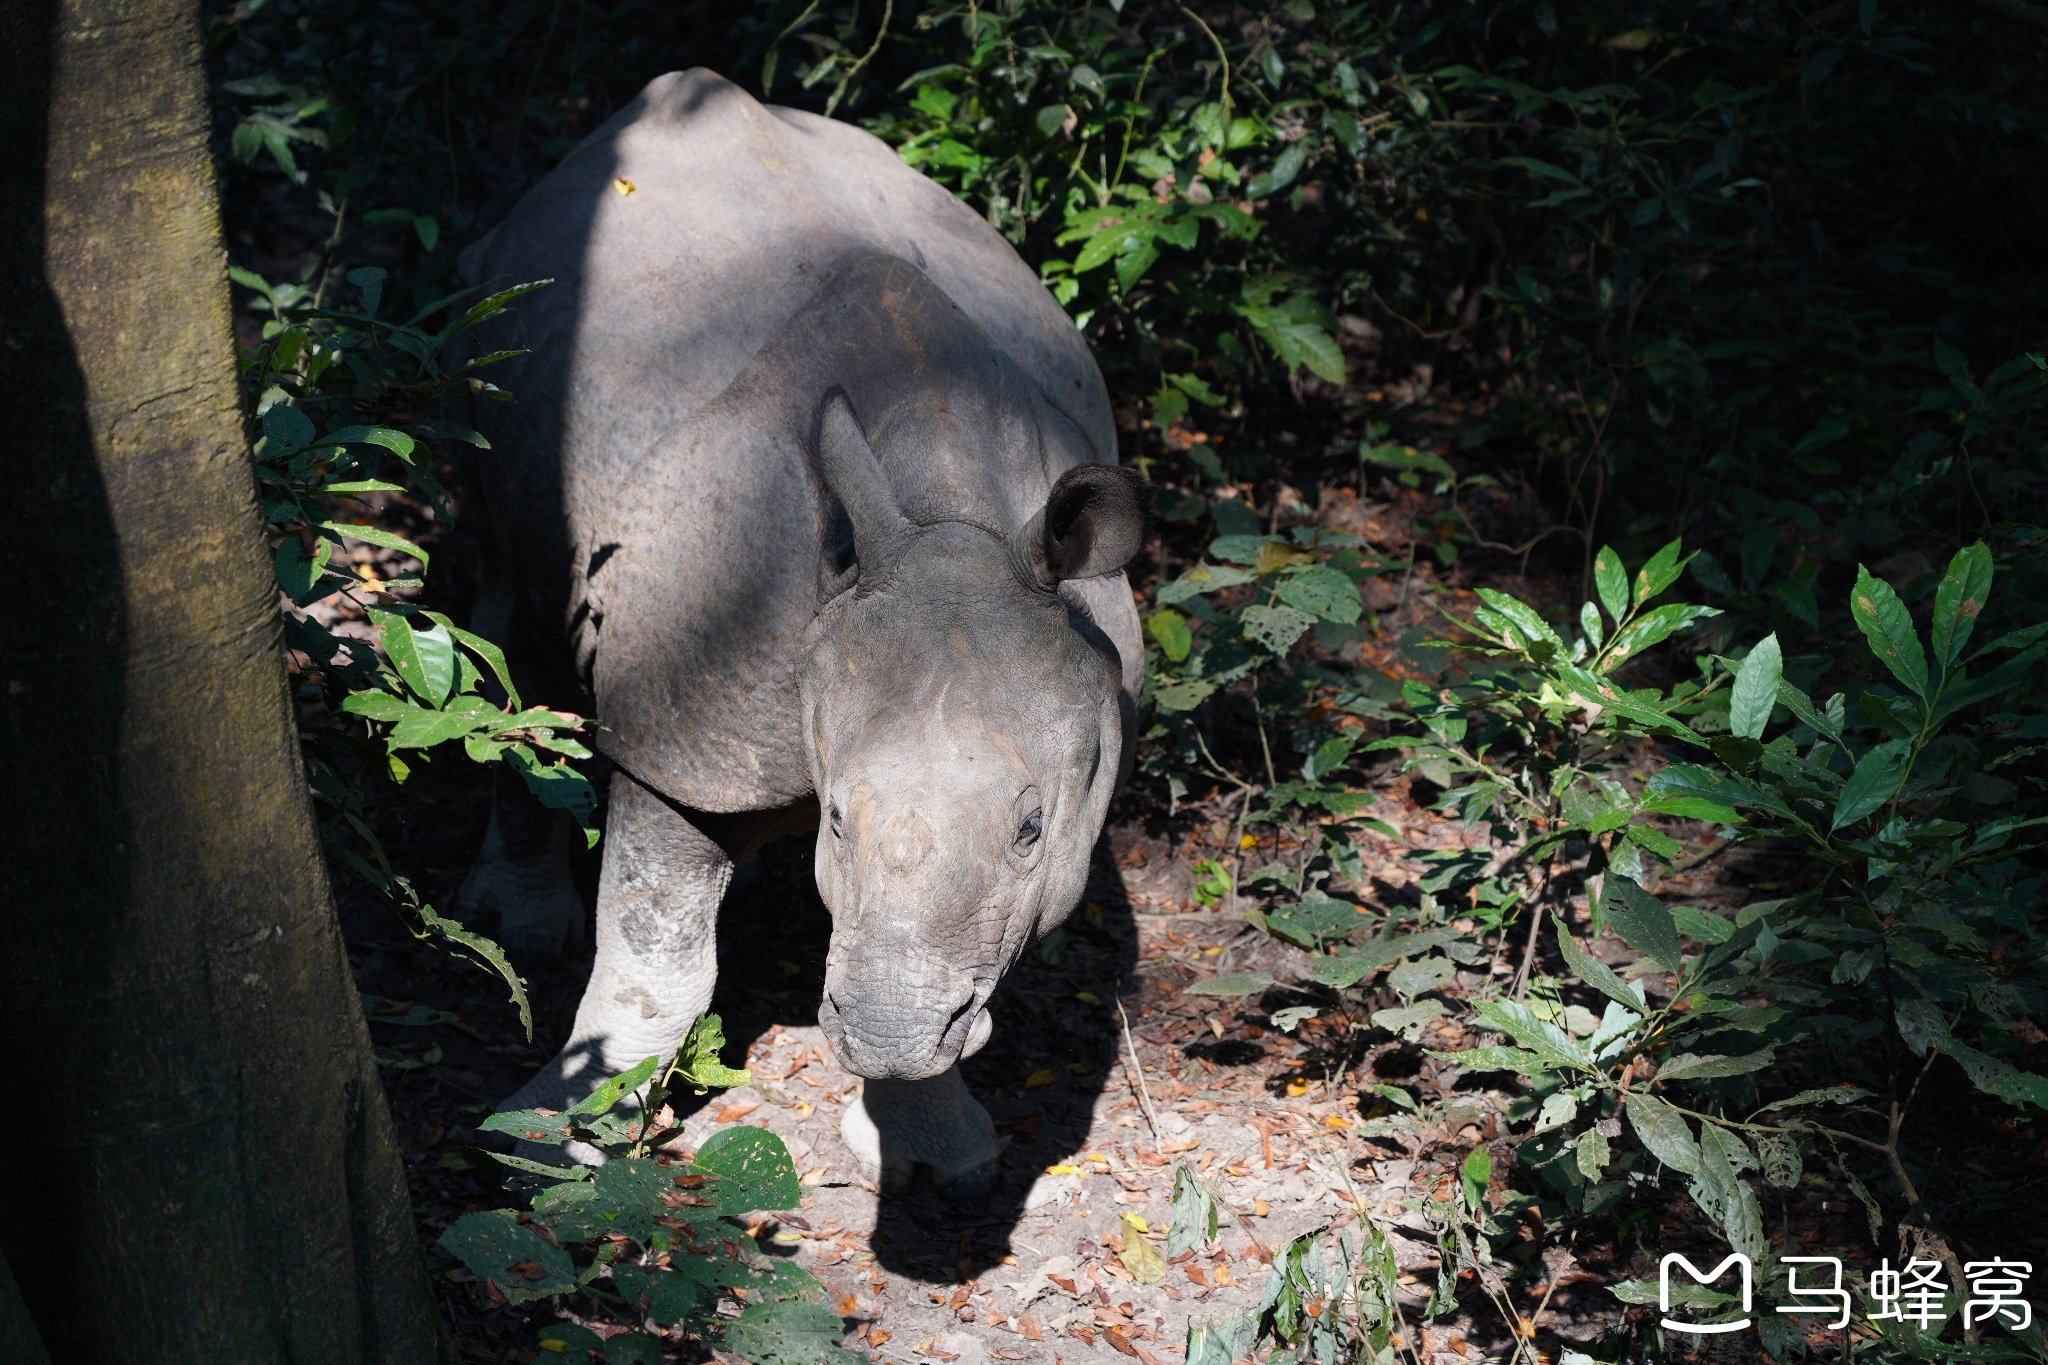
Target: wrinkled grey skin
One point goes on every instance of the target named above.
(810, 496)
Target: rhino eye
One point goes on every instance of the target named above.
(1028, 831)
(832, 817)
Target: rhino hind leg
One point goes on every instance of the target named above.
(657, 951)
(897, 1126)
(521, 882)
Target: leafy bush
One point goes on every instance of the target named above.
(661, 1230)
(341, 400)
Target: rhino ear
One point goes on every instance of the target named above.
(855, 477)
(1092, 523)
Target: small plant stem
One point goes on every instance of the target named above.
(888, 12)
(1137, 1070)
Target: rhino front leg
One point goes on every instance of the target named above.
(522, 876)
(896, 1126)
(657, 949)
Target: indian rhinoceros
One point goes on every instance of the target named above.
(810, 494)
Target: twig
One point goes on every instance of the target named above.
(1137, 1071)
(888, 11)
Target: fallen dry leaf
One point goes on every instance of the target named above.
(737, 1110)
(1030, 1328)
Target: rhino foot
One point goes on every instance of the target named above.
(895, 1128)
(522, 886)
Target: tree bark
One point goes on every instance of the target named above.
(198, 1160)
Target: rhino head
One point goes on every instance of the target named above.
(966, 728)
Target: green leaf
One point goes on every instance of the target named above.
(1699, 1066)
(1641, 920)
(1203, 578)
(1888, 626)
(557, 786)
(1834, 1094)
(485, 650)
(376, 535)
(1592, 1154)
(787, 1332)
(1539, 1035)
(1183, 696)
(303, 579)
(1660, 573)
(753, 1169)
(698, 1061)
(1321, 591)
(1308, 924)
(1651, 629)
(1699, 926)
(1594, 972)
(492, 1244)
(1528, 624)
(1756, 689)
(1589, 687)
(1390, 455)
(420, 728)
(397, 442)
(492, 955)
(1876, 779)
(1194, 1213)
(1275, 628)
(1779, 1155)
(1408, 1021)
(1664, 1132)
(1922, 1024)
(1610, 580)
(1742, 1221)
(1801, 705)
(1230, 984)
(1347, 969)
(600, 1100)
(1963, 592)
(1515, 1059)
(1170, 629)
(1474, 1174)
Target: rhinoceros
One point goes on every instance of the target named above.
(811, 495)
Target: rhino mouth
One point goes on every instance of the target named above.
(886, 1044)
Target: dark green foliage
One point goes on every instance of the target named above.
(662, 1231)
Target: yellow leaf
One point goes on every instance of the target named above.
(1247, 841)
(1135, 1221)
(1087, 997)
(1077, 1068)
(1335, 1121)
(1297, 1087)
(623, 185)
(1063, 1170)
(1040, 1079)
(1143, 1260)
(1261, 1208)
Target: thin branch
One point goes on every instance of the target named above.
(1137, 1070)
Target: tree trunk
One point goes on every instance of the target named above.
(198, 1160)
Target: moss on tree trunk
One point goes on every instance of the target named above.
(198, 1158)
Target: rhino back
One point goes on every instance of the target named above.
(735, 213)
(719, 267)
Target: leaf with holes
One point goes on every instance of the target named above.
(1321, 591)
(753, 1170)
(523, 1264)
(1275, 628)
(1641, 920)
(1779, 1156)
